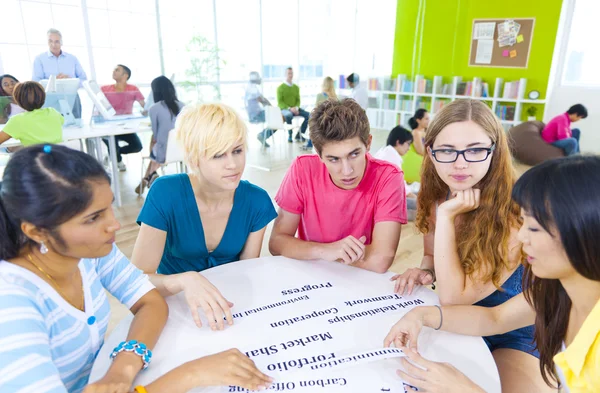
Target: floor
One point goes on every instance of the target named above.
(278, 158)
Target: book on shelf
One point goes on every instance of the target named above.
(374, 84)
(373, 102)
(447, 89)
(505, 112)
(406, 86)
(422, 104)
(511, 90)
(439, 104)
(405, 105)
(390, 84)
(389, 103)
(424, 86)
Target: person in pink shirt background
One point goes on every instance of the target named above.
(345, 205)
(121, 96)
(558, 131)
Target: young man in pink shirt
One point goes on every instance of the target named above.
(558, 131)
(121, 96)
(345, 205)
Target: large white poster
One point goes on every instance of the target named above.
(313, 327)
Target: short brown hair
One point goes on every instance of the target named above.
(29, 95)
(335, 121)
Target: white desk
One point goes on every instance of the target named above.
(96, 132)
(265, 336)
(109, 130)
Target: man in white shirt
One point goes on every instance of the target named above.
(398, 143)
(359, 93)
(255, 103)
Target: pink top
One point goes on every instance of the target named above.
(329, 213)
(122, 101)
(558, 128)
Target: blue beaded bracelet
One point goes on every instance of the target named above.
(136, 347)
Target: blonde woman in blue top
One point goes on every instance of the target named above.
(209, 217)
(57, 260)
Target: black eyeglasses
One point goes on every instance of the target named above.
(474, 154)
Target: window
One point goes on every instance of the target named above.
(238, 33)
(582, 60)
(316, 37)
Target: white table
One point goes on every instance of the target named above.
(96, 132)
(252, 284)
(109, 130)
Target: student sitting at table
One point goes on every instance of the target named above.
(559, 201)
(470, 227)
(8, 108)
(163, 113)
(57, 260)
(397, 145)
(121, 96)
(37, 124)
(192, 222)
(345, 205)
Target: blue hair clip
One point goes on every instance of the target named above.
(47, 149)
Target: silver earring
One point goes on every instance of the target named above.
(43, 248)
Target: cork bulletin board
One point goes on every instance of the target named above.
(489, 48)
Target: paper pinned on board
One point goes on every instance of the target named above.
(484, 31)
(513, 53)
(505, 53)
(508, 32)
(519, 38)
(485, 48)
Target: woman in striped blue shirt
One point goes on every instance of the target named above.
(57, 257)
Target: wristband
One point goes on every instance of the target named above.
(441, 317)
(140, 389)
(136, 347)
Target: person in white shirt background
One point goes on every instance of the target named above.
(398, 143)
(359, 93)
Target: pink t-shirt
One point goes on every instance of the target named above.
(122, 101)
(558, 128)
(329, 213)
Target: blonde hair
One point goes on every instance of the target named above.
(329, 88)
(208, 130)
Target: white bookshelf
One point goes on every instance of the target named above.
(386, 113)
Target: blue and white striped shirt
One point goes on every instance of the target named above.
(47, 345)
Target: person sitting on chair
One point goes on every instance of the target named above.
(36, 124)
(162, 119)
(288, 99)
(121, 96)
(8, 108)
(341, 180)
(558, 131)
(254, 106)
(359, 93)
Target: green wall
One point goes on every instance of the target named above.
(446, 38)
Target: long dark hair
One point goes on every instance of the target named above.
(2, 92)
(45, 185)
(419, 114)
(163, 90)
(399, 134)
(563, 195)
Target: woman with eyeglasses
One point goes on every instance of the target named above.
(470, 227)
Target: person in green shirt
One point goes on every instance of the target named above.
(37, 124)
(288, 99)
